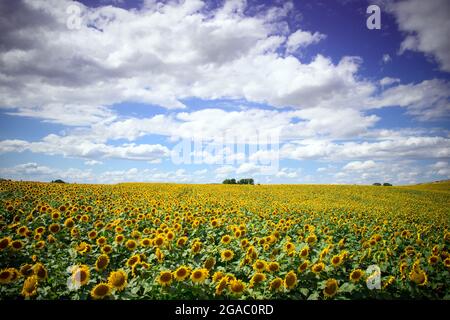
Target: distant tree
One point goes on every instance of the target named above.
(246, 181)
(386, 184)
(229, 181)
(58, 181)
(377, 184)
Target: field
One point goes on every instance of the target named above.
(174, 241)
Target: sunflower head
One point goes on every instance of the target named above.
(276, 284)
(273, 266)
(181, 273)
(40, 271)
(331, 288)
(318, 267)
(117, 280)
(356, 275)
(80, 275)
(257, 278)
(30, 286)
(5, 276)
(227, 255)
(165, 278)
(260, 265)
(290, 280)
(101, 291)
(237, 287)
(102, 262)
(199, 275)
(209, 263)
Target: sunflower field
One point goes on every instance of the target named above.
(175, 241)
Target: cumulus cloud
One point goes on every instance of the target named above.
(302, 38)
(33, 171)
(427, 26)
(359, 165)
(399, 148)
(72, 146)
(157, 55)
(427, 100)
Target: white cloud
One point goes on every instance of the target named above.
(399, 148)
(302, 38)
(427, 25)
(73, 146)
(157, 55)
(386, 58)
(441, 168)
(359, 165)
(92, 162)
(427, 100)
(386, 81)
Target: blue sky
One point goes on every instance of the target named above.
(112, 91)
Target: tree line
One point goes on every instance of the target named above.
(241, 181)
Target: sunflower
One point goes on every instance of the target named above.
(356, 275)
(54, 228)
(39, 244)
(227, 255)
(119, 238)
(181, 241)
(29, 288)
(40, 271)
(106, 249)
(5, 276)
(209, 263)
(221, 286)
(290, 280)
(199, 275)
(165, 278)
(289, 247)
(101, 241)
(39, 230)
(102, 262)
(159, 241)
(5, 242)
(26, 270)
(447, 262)
(101, 291)
(22, 231)
(133, 260)
(226, 239)
(80, 275)
(260, 265)
(311, 239)
(432, 260)
(217, 276)
(318, 267)
(304, 252)
(336, 260)
(82, 247)
(419, 277)
(331, 288)
(388, 282)
(117, 280)
(237, 287)
(92, 234)
(276, 284)
(131, 244)
(69, 223)
(17, 245)
(181, 273)
(302, 267)
(257, 278)
(146, 242)
(273, 266)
